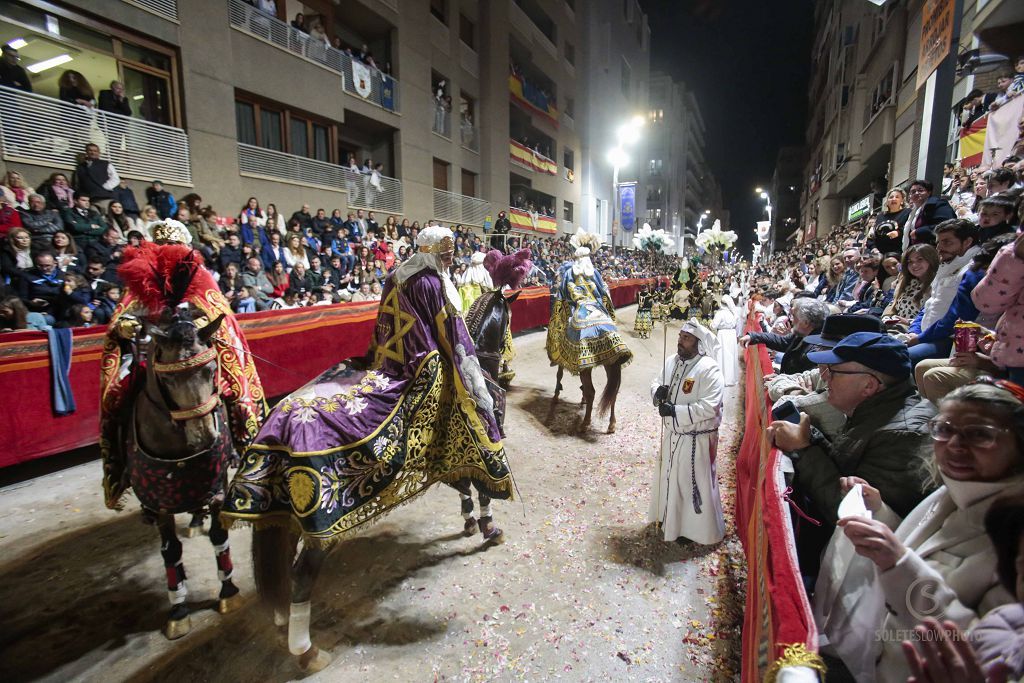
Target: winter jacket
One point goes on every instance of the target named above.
(999, 636)
(1001, 291)
(84, 228)
(885, 442)
(163, 201)
(793, 349)
(42, 226)
(128, 201)
(944, 288)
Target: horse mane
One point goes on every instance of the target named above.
(162, 276)
(477, 313)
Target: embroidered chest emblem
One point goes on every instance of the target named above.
(688, 385)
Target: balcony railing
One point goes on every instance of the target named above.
(459, 208)
(165, 8)
(35, 129)
(358, 79)
(469, 137)
(442, 121)
(270, 164)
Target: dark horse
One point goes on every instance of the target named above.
(274, 548)
(608, 396)
(179, 446)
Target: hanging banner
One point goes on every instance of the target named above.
(936, 37)
(361, 78)
(387, 92)
(1001, 132)
(859, 208)
(627, 206)
(763, 229)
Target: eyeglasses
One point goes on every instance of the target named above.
(979, 436)
(828, 369)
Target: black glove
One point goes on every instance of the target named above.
(661, 393)
(666, 409)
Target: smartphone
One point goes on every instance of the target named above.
(786, 411)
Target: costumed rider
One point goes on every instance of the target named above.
(644, 322)
(368, 435)
(688, 395)
(146, 272)
(582, 332)
(474, 282)
(507, 272)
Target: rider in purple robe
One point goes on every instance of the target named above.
(356, 442)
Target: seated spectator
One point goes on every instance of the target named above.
(995, 216)
(296, 252)
(257, 284)
(1001, 293)
(123, 194)
(917, 270)
(106, 249)
(84, 222)
(79, 315)
(299, 278)
(364, 293)
(320, 222)
(9, 217)
(231, 253)
(303, 217)
(884, 439)
(375, 291)
(15, 257)
(292, 298)
(940, 542)
(867, 289)
(808, 318)
(66, 252)
(272, 251)
(75, 292)
(14, 315)
(999, 180)
(234, 291)
(161, 200)
(108, 300)
(278, 277)
(58, 192)
(15, 190)
(114, 100)
(41, 222)
(931, 333)
(148, 219)
(203, 228)
(252, 219)
(117, 218)
(927, 212)
(41, 286)
(384, 254)
(890, 271)
(840, 282)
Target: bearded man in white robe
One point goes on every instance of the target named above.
(688, 394)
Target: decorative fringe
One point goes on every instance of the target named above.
(795, 655)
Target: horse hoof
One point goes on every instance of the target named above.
(176, 628)
(469, 528)
(490, 531)
(314, 659)
(611, 427)
(229, 604)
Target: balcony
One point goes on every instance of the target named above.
(470, 137)
(364, 82)
(459, 208)
(168, 9)
(268, 164)
(442, 122)
(523, 156)
(40, 130)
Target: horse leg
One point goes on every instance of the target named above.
(611, 392)
(307, 568)
(195, 525)
(490, 531)
(466, 499)
(229, 598)
(178, 621)
(558, 383)
(586, 376)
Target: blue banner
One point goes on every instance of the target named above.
(387, 92)
(627, 206)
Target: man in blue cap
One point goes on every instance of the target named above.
(884, 440)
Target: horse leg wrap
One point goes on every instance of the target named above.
(485, 510)
(224, 567)
(177, 590)
(467, 505)
(298, 628)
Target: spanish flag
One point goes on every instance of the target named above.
(972, 143)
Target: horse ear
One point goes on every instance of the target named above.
(207, 332)
(157, 333)
(511, 296)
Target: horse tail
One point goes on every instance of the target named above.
(611, 388)
(273, 551)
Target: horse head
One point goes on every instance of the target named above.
(184, 367)
(487, 321)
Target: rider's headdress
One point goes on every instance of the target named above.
(585, 240)
(170, 231)
(435, 240)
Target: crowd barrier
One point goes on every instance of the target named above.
(778, 626)
(291, 347)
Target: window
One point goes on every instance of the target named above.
(569, 159)
(438, 9)
(570, 107)
(468, 183)
(626, 74)
(655, 166)
(440, 174)
(567, 211)
(570, 53)
(274, 126)
(466, 31)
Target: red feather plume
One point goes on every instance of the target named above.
(162, 276)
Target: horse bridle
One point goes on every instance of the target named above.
(191, 363)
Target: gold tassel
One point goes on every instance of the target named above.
(795, 655)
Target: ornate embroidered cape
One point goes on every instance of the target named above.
(582, 332)
(352, 445)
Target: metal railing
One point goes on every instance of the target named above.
(165, 8)
(442, 121)
(468, 136)
(270, 164)
(358, 79)
(459, 208)
(41, 130)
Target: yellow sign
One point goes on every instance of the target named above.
(936, 37)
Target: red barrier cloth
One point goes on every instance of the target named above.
(291, 347)
(777, 612)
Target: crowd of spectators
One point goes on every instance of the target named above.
(898, 341)
(61, 244)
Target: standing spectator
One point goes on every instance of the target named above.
(13, 74)
(161, 200)
(251, 219)
(84, 222)
(304, 218)
(257, 284)
(352, 178)
(74, 88)
(926, 213)
(15, 190)
(114, 100)
(888, 231)
(41, 222)
(373, 183)
(124, 194)
(96, 178)
(299, 22)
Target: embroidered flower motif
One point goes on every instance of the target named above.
(355, 405)
(305, 414)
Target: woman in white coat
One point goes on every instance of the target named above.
(938, 562)
(724, 325)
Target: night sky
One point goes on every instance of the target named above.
(748, 62)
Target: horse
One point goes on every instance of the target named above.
(275, 554)
(608, 396)
(179, 447)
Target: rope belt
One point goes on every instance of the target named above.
(697, 501)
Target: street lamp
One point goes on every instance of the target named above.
(628, 133)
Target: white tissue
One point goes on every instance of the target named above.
(853, 504)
